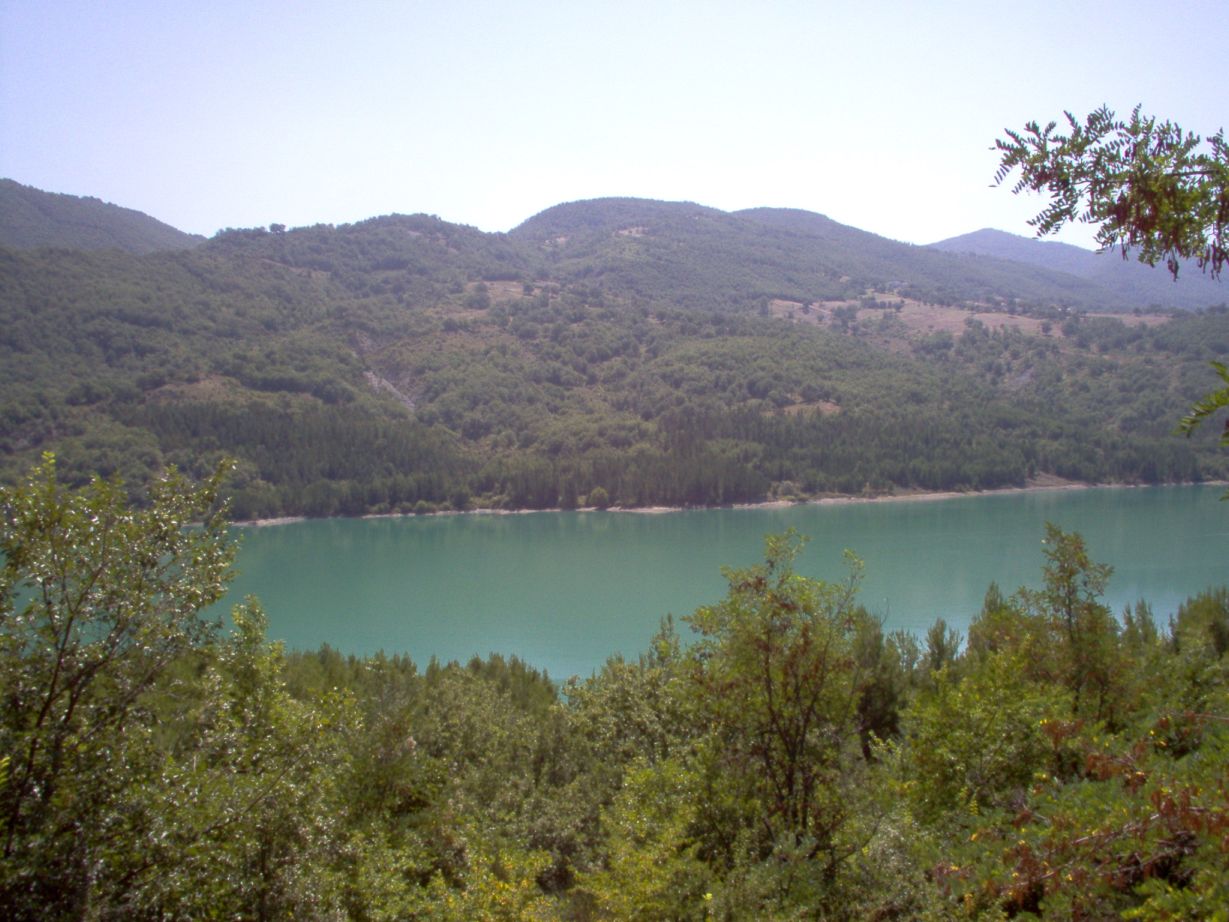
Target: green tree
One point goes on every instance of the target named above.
(652, 871)
(972, 744)
(1135, 831)
(243, 815)
(629, 711)
(1214, 401)
(1083, 628)
(1147, 185)
(97, 601)
(776, 675)
(942, 646)
(1208, 406)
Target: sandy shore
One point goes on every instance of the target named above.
(1044, 485)
(261, 523)
(1038, 485)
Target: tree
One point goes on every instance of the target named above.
(973, 742)
(1149, 186)
(652, 871)
(1083, 630)
(777, 679)
(1209, 405)
(1216, 400)
(242, 813)
(97, 601)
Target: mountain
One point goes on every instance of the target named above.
(712, 258)
(618, 350)
(1127, 280)
(32, 218)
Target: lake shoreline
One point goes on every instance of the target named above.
(1048, 483)
(565, 592)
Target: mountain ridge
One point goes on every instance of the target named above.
(648, 352)
(776, 253)
(781, 253)
(31, 218)
(1125, 278)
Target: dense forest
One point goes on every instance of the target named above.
(617, 352)
(31, 218)
(775, 756)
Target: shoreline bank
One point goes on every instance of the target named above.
(1040, 485)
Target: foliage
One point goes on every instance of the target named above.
(404, 364)
(1215, 401)
(245, 814)
(30, 218)
(973, 743)
(791, 762)
(1146, 185)
(1110, 798)
(97, 602)
(1212, 403)
(1082, 632)
(152, 768)
(652, 870)
(776, 677)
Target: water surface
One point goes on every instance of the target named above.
(566, 590)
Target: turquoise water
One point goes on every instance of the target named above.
(566, 590)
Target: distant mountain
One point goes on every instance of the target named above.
(1128, 280)
(710, 258)
(31, 218)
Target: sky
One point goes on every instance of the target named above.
(880, 115)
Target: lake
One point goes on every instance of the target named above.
(565, 590)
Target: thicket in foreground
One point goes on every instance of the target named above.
(792, 762)
(151, 765)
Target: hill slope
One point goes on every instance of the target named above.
(617, 351)
(735, 260)
(1129, 281)
(32, 218)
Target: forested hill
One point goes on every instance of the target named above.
(31, 218)
(1127, 279)
(709, 258)
(608, 352)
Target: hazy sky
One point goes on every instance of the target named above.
(878, 114)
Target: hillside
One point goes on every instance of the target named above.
(32, 218)
(1128, 280)
(709, 258)
(616, 351)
